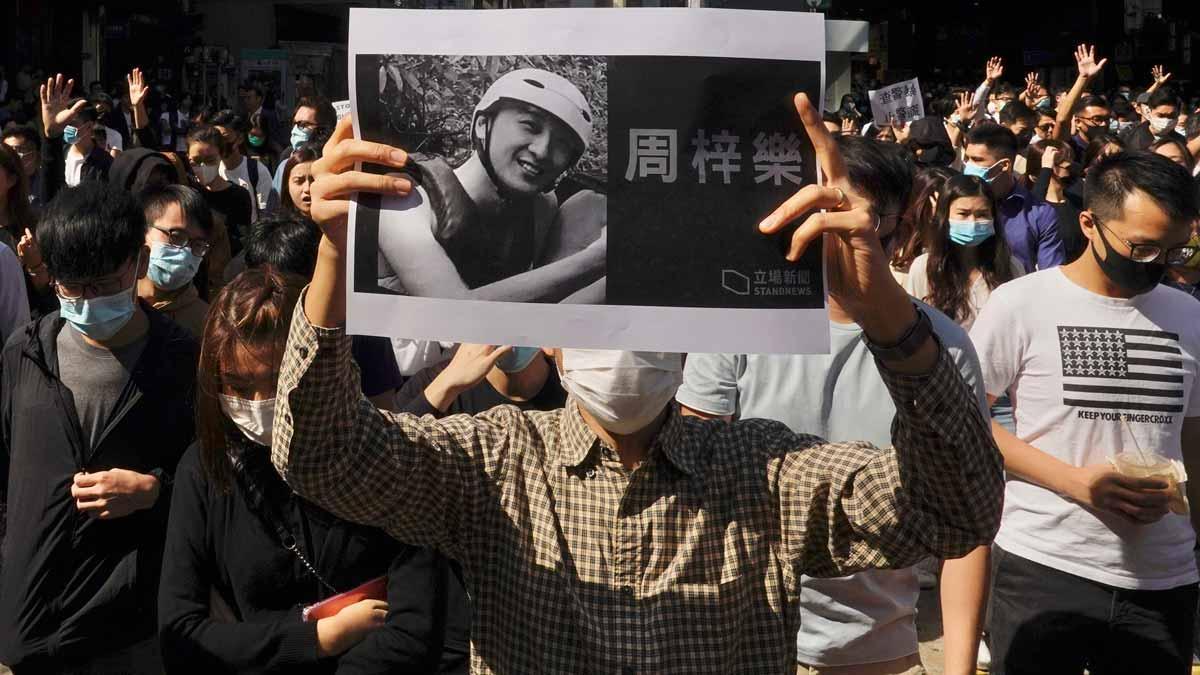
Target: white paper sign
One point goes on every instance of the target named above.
(900, 101)
(587, 178)
(342, 108)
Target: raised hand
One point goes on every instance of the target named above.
(1085, 60)
(847, 126)
(1160, 77)
(471, 363)
(1031, 85)
(1050, 157)
(994, 68)
(137, 87)
(28, 251)
(857, 267)
(334, 181)
(56, 95)
(966, 106)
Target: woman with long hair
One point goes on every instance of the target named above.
(965, 259)
(245, 555)
(1176, 150)
(908, 241)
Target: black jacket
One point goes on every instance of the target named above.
(1139, 137)
(72, 585)
(227, 545)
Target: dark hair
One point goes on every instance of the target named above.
(943, 107)
(286, 241)
(1163, 96)
(195, 210)
(1088, 101)
(1192, 128)
(915, 221)
(20, 213)
(230, 120)
(86, 114)
(254, 312)
(100, 97)
(1180, 145)
(994, 137)
(1164, 182)
(1036, 152)
(879, 170)
(831, 118)
(326, 115)
(1004, 88)
(208, 134)
(90, 231)
(251, 85)
(1015, 111)
(24, 132)
(1096, 146)
(308, 152)
(949, 278)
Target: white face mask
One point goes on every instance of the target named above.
(624, 391)
(255, 419)
(205, 173)
(1161, 126)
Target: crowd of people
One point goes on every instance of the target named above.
(196, 460)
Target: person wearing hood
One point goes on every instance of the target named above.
(140, 169)
(614, 534)
(1162, 117)
(929, 142)
(180, 226)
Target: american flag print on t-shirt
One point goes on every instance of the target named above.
(1121, 369)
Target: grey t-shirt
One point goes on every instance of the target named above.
(96, 377)
(866, 617)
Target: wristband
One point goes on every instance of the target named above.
(908, 344)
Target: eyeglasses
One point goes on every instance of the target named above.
(75, 290)
(1045, 127)
(179, 239)
(1147, 253)
(1099, 119)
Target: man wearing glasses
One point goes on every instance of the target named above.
(179, 226)
(95, 412)
(1099, 358)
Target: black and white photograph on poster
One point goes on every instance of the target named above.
(587, 178)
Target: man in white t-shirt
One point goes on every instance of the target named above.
(237, 168)
(1091, 569)
(865, 622)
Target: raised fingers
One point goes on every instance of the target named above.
(829, 157)
(834, 222)
(330, 192)
(347, 152)
(808, 198)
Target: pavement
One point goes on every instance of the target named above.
(929, 631)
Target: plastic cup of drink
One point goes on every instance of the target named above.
(1153, 465)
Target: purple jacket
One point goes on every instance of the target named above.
(1031, 227)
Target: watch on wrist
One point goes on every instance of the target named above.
(908, 344)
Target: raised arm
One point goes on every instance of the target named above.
(1160, 78)
(993, 70)
(422, 481)
(849, 506)
(1088, 67)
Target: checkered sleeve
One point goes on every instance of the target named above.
(420, 479)
(850, 506)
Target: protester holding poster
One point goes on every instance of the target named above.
(701, 574)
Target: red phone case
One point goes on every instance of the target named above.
(375, 589)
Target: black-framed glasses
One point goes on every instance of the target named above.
(1148, 253)
(76, 290)
(179, 239)
(1045, 127)
(1097, 120)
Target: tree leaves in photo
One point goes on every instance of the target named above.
(428, 101)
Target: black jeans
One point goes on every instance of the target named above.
(1045, 621)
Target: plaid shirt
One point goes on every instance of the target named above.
(688, 564)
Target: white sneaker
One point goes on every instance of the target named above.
(984, 660)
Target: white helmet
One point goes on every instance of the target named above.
(553, 93)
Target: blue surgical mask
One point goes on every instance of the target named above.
(99, 318)
(300, 136)
(980, 172)
(70, 135)
(517, 359)
(172, 267)
(971, 232)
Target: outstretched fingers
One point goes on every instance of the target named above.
(829, 157)
(809, 197)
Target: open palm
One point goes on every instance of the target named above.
(1085, 59)
(56, 109)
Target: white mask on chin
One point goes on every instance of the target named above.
(624, 391)
(254, 419)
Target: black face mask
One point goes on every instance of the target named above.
(1133, 276)
(1094, 132)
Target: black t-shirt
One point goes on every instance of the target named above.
(232, 207)
(483, 397)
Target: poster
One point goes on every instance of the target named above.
(900, 101)
(588, 178)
